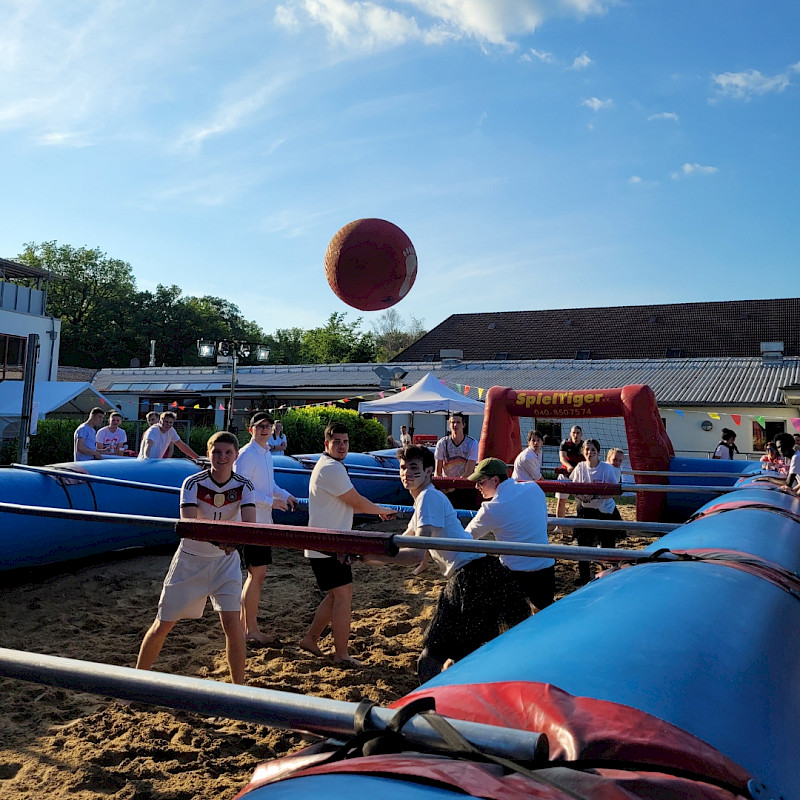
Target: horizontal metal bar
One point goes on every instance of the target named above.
(653, 528)
(681, 474)
(662, 487)
(285, 710)
(558, 551)
(88, 478)
(87, 516)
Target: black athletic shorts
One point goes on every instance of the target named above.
(256, 555)
(331, 573)
(538, 585)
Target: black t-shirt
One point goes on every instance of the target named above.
(572, 451)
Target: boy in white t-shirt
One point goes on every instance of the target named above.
(200, 570)
(159, 437)
(480, 598)
(112, 438)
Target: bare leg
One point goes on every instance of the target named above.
(234, 644)
(322, 618)
(153, 642)
(340, 622)
(251, 594)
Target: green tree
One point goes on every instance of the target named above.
(393, 334)
(338, 342)
(95, 297)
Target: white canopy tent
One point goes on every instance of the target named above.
(427, 396)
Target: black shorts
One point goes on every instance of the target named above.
(477, 603)
(588, 537)
(539, 585)
(331, 573)
(256, 555)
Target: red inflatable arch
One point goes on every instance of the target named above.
(649, 447)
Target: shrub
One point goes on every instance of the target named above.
(305, 429)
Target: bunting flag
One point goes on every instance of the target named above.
(221, 407)
(466, 389)
(760, 421)
(713, 415)
(403, 388)
(197, 405)
(679, 412)
(182, 408)
(480, 393)
(380, 394)
(737, 419)
(173, 404)
(796, 422)
(459, 388)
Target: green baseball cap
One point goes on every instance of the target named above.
(489, 467)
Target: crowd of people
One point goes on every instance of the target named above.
(482, 595)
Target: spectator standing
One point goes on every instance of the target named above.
(277, 440)
(405, 437)
(85, 437)
(727, 446)
(528, 464)
(158, 438)
(615, 457)
(456, 454)
(112, 438)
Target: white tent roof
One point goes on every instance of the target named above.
(66, 396)
(428, 395)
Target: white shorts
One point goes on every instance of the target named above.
(191, 580)
(559, 495)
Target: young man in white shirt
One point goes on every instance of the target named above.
(159, 437)
(515, 512)
(405, 437)
(112, 438)
(200, 570)
(457, 453)
(480, 599)
(255, 464)
(332, 501)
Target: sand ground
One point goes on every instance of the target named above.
(56, 743)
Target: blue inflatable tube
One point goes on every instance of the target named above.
(704, 648)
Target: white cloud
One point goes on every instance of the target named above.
(693, 169)
(582, 62)
(370, 24)
(634, 179)
(749, 84)
(539, 55)
(596, 104)
(665, 115)
(62, 139)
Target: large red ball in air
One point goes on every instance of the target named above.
(371, 264)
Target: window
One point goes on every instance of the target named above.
(12, 349)
(583, 355)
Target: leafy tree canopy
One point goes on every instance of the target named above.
(107, 321)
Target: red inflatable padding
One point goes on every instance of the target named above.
(487, 781)
(746, 562)
(583, 728)
(289, 536)
(649, 447)
(731, 505)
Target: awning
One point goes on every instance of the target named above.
(66, 397)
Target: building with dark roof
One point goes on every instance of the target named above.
(734, 328)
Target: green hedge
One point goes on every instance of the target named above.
(305, 429)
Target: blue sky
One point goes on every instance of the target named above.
(539, 153)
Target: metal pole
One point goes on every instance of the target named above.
(560, 551)
(233, 388)
(679, 474)
(82, 476)
(660, 487)
(24, 440)
(285, 710)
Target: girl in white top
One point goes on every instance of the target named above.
(277, 442)
(592, 506)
